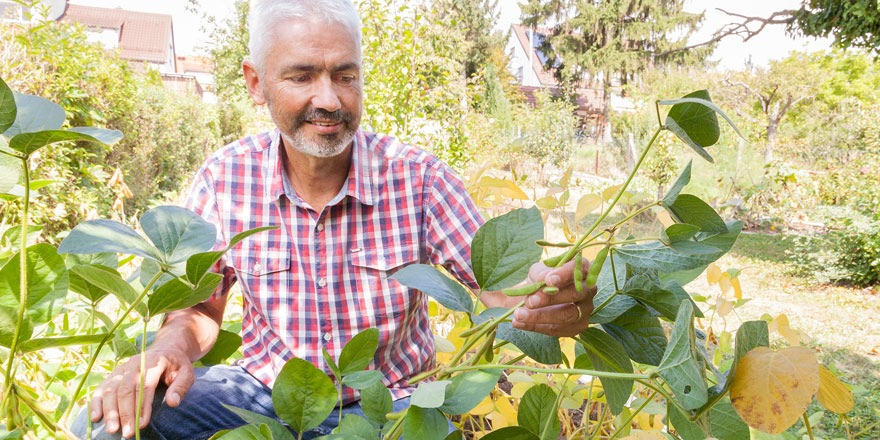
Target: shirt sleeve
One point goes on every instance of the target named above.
(451, 220)
(202, 200)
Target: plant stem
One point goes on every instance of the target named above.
(110, 333)
(140, 401)
(23, 281)
(476, 337)
(807, 425)
(605, 374)
(632, 415)
(570, 253)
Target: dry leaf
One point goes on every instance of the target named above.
(772, 389)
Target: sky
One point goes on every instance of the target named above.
(732, 53)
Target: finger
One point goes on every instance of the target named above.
(111, 405)
(151, 381)
(564, 275)
(558, 320)
(179, 383)
(96, 411)
(127, 400)
(565, 295)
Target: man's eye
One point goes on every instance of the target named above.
(347, 79)
(299, 78)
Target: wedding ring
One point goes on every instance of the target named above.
(580, 312)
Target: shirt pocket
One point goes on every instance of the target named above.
(261, 255)
(372, 269)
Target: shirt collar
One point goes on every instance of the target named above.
(360, 183)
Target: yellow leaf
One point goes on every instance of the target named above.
(567, 345)
(442, 345)
(586, 205)
(569, 235)
(645, 435)
(649, 422)
(504, 414)
(724, 284)
(519, 389)
(737, 288)
(713, 273)
(781, 325)
(433, 308)
(723, 307)
(484, 407)
(566, 177)
(610, 192)
(771, 389)
(664, 218)
(834, 395)
(507, 188)
(548, 202)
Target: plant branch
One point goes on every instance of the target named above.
(742, 29)
(605, 374)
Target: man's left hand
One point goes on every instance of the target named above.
(564, 313)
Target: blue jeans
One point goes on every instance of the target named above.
(201, 413)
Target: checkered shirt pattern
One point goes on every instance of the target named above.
(322, 277)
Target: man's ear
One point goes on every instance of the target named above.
(253, 81)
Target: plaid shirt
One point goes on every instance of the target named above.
(322, 277)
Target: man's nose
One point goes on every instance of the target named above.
(325, 96)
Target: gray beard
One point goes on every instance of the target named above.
(323, 148)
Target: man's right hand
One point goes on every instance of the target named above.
(116, 397)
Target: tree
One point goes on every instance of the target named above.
(476, 21)
(852, 23)
(609, 41)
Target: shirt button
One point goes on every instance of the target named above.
(322, 282)
(258, 268)
(327, 337)
(320, 227)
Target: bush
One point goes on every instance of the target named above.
(857, 246)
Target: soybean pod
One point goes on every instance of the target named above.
(528, 289)
(578, 272)
(596, 267)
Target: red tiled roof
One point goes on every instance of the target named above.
(522, 34)
(143, 36)
(590, 102)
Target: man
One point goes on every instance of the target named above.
(352, 207)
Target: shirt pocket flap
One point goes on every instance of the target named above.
(258, 264)
(384, 259)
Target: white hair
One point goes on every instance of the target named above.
(265, 14)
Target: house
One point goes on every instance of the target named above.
(528, 65)
(145, 39)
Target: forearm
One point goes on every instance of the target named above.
(192, 331)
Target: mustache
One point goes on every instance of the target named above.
(334, 116)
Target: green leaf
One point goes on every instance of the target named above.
(94, 236)
(277, 429)
(376, 401)
(35, 114)
(467, 390)
(177, 295)
(227, 344)
(429, 394)
(504, 248)
(48, 283)
(199, 264)
(109, 280)
(177, 232)
(425, 424)
(646, 291)
(537, 412)
(331, 363)
(721, 422)
(437, 285)
(680, 367)
(694, 123)
(679, 232)
(640, 334)
(106, 259)
(8, 322)
(706, 103)
(303, 395)
(511, 433)
(8, 109)
(245, 432)
(356, 427)
(691, 210)
(362, 379)
(359, 351)
(60, 341)
(606, 288)
(542, 348)
(27, 143)
(10, 171)
(679, 185)
(606, 354)
(658, 256)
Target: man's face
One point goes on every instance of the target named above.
(312, 85)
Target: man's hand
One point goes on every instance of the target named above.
(116, 397)
(564, 313)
